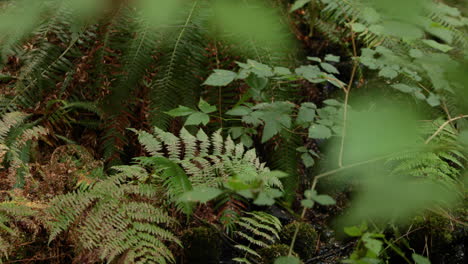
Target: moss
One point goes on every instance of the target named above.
(269, 254)
(305, 241)
(437, 229)
(201, 245)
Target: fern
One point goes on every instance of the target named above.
(258, 230)
(443, 160)
(15, 138)
(118, 218)
(180, 66)
(13, 215)
(207, 162)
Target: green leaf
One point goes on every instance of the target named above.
(309, 72)
(358, 27)
(332, 102)
(433, 100)
(264, 199)
(307, 160)
(282, 71)
(416, 53)
(287, 260)
(239, 111)
(418, 259)
(370, 15)
(329, 68)
(220, 78)
(298, 4)
(353, 231)
(372, 244)
(256, 82)
(332, 58)
(180, 111)
(319, 131)
(388, 72)
(201, 194)
(176, 175)
(436, 45)
(306, 113)
(405, 88)
(260, 69)
(197, 118)
(307, 203)
(324, 199)
(247, 140)
(205, 107)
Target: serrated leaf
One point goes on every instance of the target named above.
(372, 244)
(307, 160)
(433, 100)
(205, 107)
(388, 72)
(332, 58)
(239, 111)
(319, 131)
(358, 27)
(247, 140)
(306, 113)
(181, 111)
(329, 68)
(197, 118)
(220, 78)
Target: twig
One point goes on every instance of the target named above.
(345, 110)
(443, 126)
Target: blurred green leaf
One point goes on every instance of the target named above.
(201, 194)
(307, 160)
(324, 199)
(319, 131)
(197, 118)
(306, 113)
(220, 78)
(181, 111)
(205, 107)
(288, 260)
(418, 259)
(436, 45)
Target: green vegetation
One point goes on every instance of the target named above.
(256, 131)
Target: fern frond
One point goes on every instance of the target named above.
(118, 217)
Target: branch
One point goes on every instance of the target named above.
(443, 126)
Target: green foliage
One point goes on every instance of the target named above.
(258, 230)
(15, 144)
(215, 165)
(118, 218)
(305, 239)
(271, 253)
(13, 215)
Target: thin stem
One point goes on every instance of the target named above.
(443, 126)
(345, 110)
